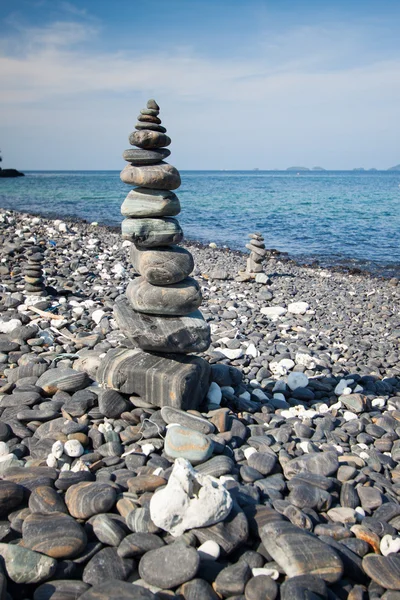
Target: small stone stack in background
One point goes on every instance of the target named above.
(257, 253)
(159, 314)
(33, 271)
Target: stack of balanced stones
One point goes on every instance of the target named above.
(257, 253)
(160, 313)
(33, 271)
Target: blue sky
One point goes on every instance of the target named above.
(241, 84)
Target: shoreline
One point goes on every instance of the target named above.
(310, 263)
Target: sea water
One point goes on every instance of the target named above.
(337, 217)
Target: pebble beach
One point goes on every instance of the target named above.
(284, 484)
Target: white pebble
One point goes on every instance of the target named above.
(249, 451)
(342, 385)
(349, 416)
(73, 448)
(379, 402)
(251, 350)
(305, 446)
(297, 380)
(214, 394)
(273, 312)
(51, 461)
(147, 449)
(209, 550)
(360, 513)
(4, 449)
(57, 449)
(97, 315)
(323, 408)
(273, 573)
(231, 353)
(298, 308)
(390, 545)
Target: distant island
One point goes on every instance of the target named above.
(9, 172)
(297, 169)
(395, 168)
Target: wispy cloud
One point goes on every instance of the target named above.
(306, 84)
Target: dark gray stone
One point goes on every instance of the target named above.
(55, 534)
(106, 565)
(145, 157)
(164, 265)
(182, 334)
(169, 566)
(149, 232)
(178, 299)
(117, 590)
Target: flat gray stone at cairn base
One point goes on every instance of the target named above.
(163, 334)
(170, 380)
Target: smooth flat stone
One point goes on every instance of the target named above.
(106, 565)
(145, 157)
(176, 299)
(182, 442)
(164, 265)
(172, 380)
(264, 462)
(149, 119)
(320, 463)
(147, 233)
(11, 496)
(384, 570)
(55, 534)
(44, 500)
(149, 139)
(169, 566)
(217, 466)
(160, 177)
(262, 587)
(65, 379)
(302, 587)
(197, 589)
(298, 552)
(139, 521)
(143, 202)
(108, 530)
(61, 589)
(112, 404)
(136, 544)
(190, 333)
(117, 590)
(152, 126)
(26, 566)
(174, 415)
(86, 499)
(232, 580)
(228, 534)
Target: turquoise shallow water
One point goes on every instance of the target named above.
(337, 217)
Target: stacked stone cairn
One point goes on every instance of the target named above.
(33, 271)
(160, 313)
(257, 253)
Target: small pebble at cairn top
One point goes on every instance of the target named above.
(33, 271)
(257, 253)
(164, 295)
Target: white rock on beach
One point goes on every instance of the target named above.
(189, 500)
(298, 308)
(297, 380)
(273, 312)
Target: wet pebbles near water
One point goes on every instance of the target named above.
(286, 482)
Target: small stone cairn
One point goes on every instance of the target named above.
(257, 253)
(32, 271)
(160, 313)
